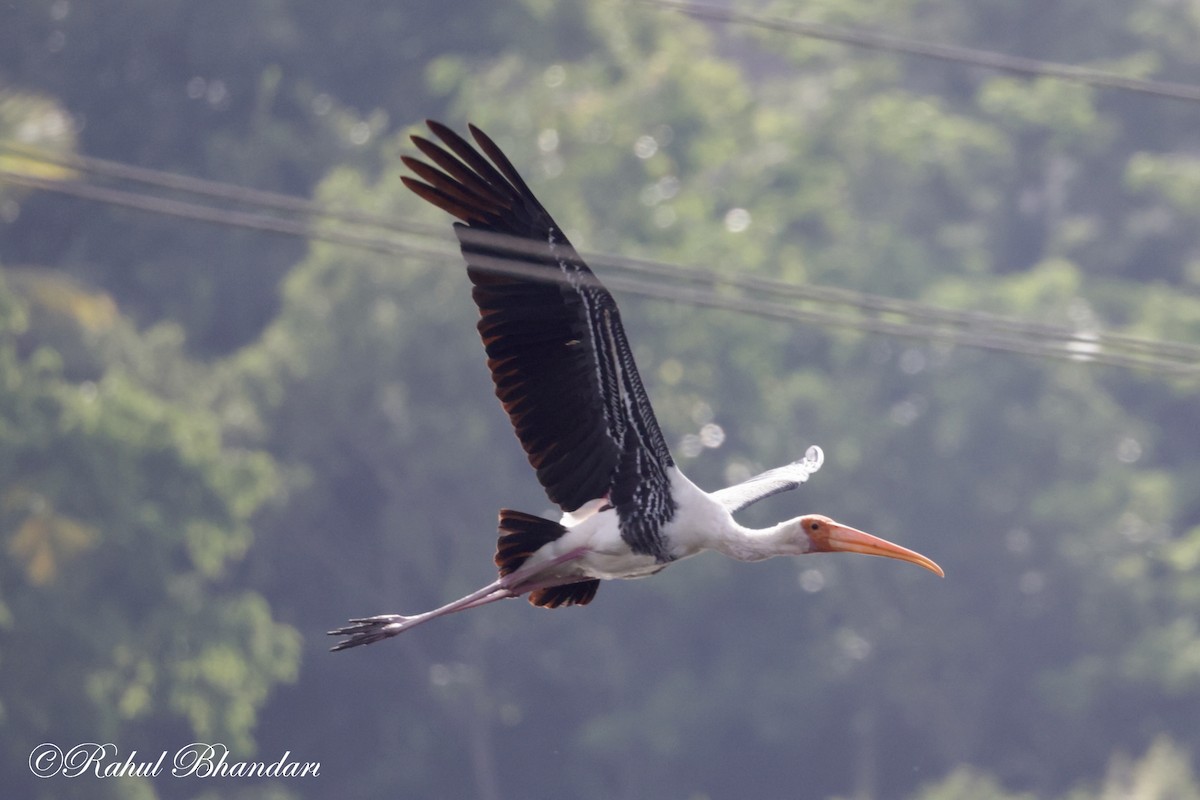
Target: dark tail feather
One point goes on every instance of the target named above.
(521, 535)
(571, 594)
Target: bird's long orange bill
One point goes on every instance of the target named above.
(844, 539)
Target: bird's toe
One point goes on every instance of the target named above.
(368, 630)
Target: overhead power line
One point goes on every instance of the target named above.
(942, 52)
(201, 213)
(766, 298)
(208, 188)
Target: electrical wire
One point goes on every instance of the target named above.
(942, 52)
(208, 188)
(765, 298)
(307, 208)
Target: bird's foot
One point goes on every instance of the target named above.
(368, 630)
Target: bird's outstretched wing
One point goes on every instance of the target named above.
(557, 352)
(773, 481)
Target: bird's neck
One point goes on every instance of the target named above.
(756, 544)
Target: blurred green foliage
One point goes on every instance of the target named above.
(123, 512)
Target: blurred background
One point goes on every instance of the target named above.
(230, 420)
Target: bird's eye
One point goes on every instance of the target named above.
(814, 525)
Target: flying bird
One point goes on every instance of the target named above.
(564, 372)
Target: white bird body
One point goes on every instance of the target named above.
(695, 527)
(606, 556)
(565, 374)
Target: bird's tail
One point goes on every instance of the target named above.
(521, 535)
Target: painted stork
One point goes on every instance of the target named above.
(564, 372)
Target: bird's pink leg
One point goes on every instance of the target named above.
(368, 630)
(524, 588)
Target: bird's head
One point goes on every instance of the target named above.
(819, 534)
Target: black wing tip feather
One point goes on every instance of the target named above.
(465, 211)
(441, 129)
(490, 195)
(464, 150)
(498, 158)
(455, 140)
